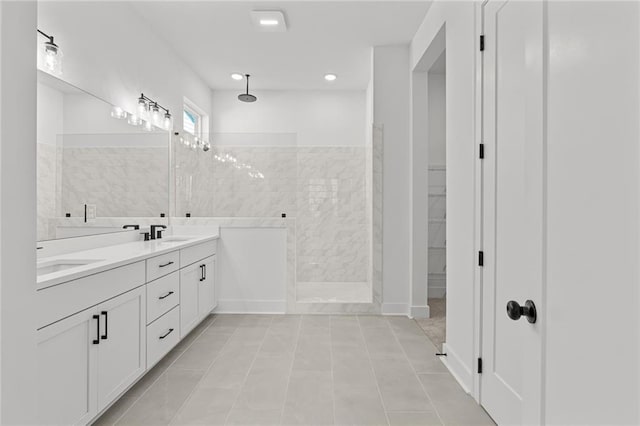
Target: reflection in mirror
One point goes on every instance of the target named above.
(96, 170)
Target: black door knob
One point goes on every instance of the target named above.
(515, 311)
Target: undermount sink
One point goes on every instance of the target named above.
(175, 239)
(61, 265)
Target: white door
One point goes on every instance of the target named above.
(510, 383)
(206, 294)
(189, 309)
(67, 370)
(122, 348)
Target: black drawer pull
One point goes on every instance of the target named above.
(166, 295)
(168, 333)
(96, 341)
(106, 325)
(165, 264)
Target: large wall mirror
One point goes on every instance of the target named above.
(97, 169)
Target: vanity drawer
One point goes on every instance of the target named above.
(60, 301)
(192, 254)
(163, 294)
(162, 265)
(162, 335)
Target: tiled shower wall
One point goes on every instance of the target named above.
(120, 181)
(323, 188)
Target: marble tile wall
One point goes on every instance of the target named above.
(323, 188)
(120, 181)
(48, 164)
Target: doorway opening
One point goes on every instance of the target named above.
(435, 325)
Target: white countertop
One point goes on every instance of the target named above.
(114, 256)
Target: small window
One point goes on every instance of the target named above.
(192, 121)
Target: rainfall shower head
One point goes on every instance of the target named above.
(247, 97)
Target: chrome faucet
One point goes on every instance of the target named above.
(156, 234)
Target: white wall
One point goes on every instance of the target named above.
(50, 114)
(592, 214)
(461, 36)
(110, 51)
(260, 288)
(17, 211)
(391, 102)
(319, 118)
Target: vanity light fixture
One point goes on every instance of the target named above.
(119, 113)
(149, 110)
(134, 120)
(51, 55)
(330, 77)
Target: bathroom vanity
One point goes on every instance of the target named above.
(107, 314)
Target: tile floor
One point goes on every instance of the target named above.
(299, 370)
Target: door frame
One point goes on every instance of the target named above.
(541, 298)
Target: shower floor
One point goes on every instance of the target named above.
(334, 292)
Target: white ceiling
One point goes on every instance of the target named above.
(217, 38)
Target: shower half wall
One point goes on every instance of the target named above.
(324, 192)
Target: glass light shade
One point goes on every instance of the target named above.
(142, 107)
(50, 58)
(134, 120)
(155, 114)
(119, 113)
(168, 122)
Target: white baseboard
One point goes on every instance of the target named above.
(395, 309)
(251, 307)
(461, 372)
(419, 312)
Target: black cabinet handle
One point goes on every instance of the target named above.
(96, 341)
(167, 333)
(201, 272)
(166, 264)
(166, 295)
(106, 325)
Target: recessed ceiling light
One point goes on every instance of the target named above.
(330, 77)
(269, 20)
(237, 76)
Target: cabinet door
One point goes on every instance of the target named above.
(189, 282)
(207, 293)
(122, 349)
(67, 355)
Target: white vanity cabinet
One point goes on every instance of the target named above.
(98, 334)
(122, 348)
(86, 360)
(197, 293)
